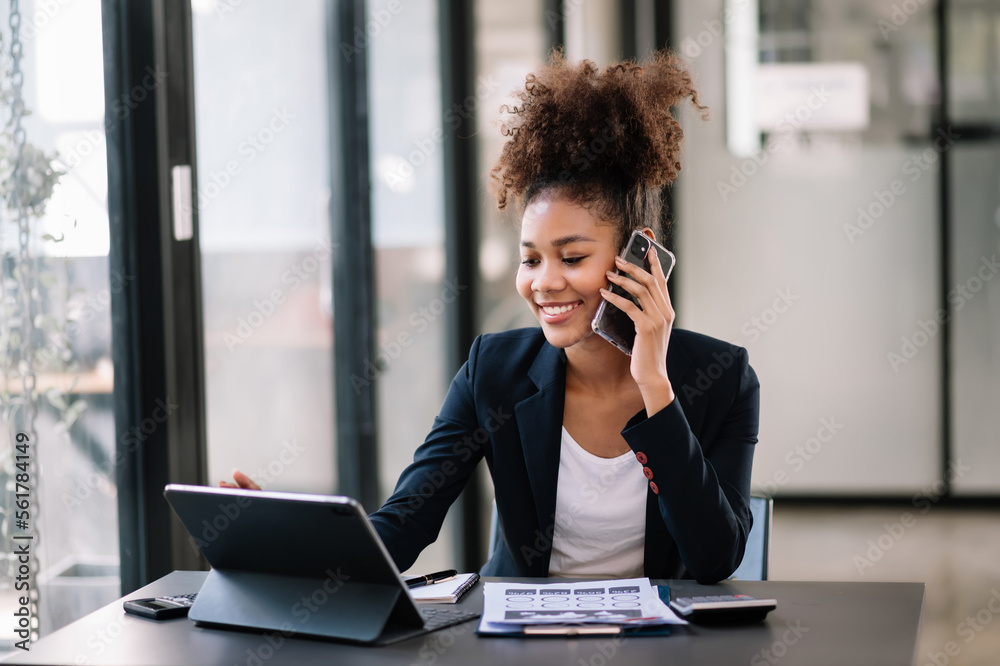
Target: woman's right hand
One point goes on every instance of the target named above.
(242, 481)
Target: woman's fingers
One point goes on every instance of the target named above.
(626, 305)
(242, 481)
(644, 285)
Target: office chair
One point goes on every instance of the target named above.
(754, 564)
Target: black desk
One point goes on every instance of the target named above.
(815, 624)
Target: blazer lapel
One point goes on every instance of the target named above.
(539, 422)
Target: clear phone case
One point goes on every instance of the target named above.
(610, 322)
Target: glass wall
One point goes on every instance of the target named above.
(974, 291)
(413, 297)
(510, 43)
(63, 270)
(817, 249)
(262, 128)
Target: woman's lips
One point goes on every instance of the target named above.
(555, 313)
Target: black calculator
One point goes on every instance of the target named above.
(161, 608)
(723, 608)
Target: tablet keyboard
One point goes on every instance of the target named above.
(439, 618)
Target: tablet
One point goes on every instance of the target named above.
(295, 563)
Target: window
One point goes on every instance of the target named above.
(73, 506)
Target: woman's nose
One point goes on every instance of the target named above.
(549, 278)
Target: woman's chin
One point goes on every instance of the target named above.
(562, 338)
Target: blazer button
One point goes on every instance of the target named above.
(641, 457)
(648, 473)
(652, 486)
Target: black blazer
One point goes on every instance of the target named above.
(506, 405)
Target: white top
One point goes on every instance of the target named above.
(600, 526)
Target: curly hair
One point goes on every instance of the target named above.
(602, 139)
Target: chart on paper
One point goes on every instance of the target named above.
(609, 602)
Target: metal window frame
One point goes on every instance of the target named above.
(456, 31)
(354, 286)
(157, 344)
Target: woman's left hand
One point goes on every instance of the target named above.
(653, 323)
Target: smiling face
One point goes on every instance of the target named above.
(565, 254)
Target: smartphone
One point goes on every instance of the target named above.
(610, 322)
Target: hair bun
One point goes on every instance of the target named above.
(582, 126)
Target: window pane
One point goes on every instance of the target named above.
(820, 254)
(510, 43)
(408, 229)
(974, 62)
(72, 506)
(974, 298)
(263, 172)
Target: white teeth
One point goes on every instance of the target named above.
(559, 310)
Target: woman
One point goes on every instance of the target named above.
(604, 464)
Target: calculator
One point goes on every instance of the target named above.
(161, 608)
(723, 608)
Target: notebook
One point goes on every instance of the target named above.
(445, 592)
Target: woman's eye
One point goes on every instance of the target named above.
(572, 260)
(529, 262)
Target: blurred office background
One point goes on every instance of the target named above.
(838, 215)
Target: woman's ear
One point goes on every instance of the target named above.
(649, 232)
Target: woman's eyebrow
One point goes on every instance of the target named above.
(565, 240)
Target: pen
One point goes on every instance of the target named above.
(437, 577)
